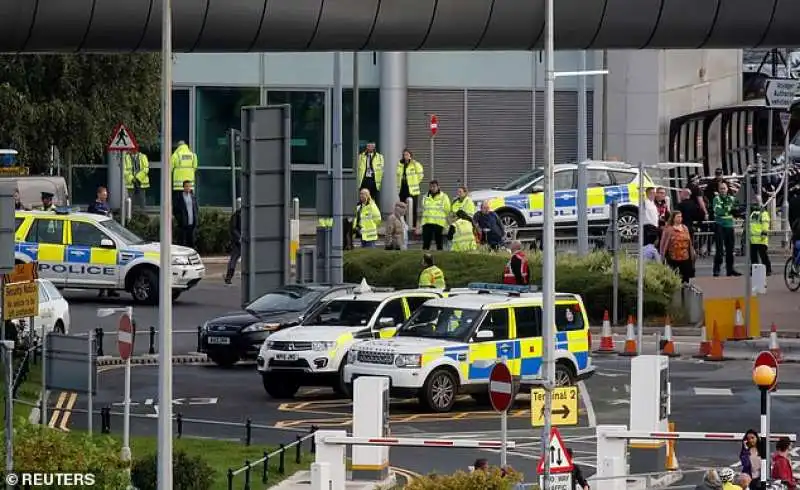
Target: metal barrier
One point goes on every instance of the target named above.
(264, 461)
(152, 339)
(22, 369)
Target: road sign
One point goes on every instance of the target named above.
(501, 388)
(558, 481)
(564, 410)
(122, 139)
(22, 273)
(434, 125)
(785, 118)
(766, 358)
(560, 460)
(125, 335)
(21, 300)
(780, 93)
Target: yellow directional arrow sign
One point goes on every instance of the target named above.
(564, 410)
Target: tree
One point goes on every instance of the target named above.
(74, 102)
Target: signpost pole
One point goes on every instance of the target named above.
(504, 438)
(760, 175)
(126, 425)
(748, 276)
(90, 382)
(43, 396)
(640, 264)
(433, 159)
(785, 208)
(8, 349)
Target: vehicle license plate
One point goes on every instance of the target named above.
(287, 357)
(219, 340)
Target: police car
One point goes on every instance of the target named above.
(521, 202)
(89, 251)
(450, 344)
(315, 352)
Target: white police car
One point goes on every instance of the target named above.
(89, 251)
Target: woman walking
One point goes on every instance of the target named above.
(677, 247)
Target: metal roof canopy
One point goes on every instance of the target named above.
(410, 25)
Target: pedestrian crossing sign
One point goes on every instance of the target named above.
(122, 140)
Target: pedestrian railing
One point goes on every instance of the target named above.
(251, 469)
(152, 339)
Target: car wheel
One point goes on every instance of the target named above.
(279, 388)
(145, 287)
(59, 327)
(176, 295)
(342, 388)
(564, 375)
(224, 360)
(511, 223)
(439, 392)
(790, 275)
(628, 225)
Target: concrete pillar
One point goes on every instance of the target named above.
(116, 189)
(393, 108)
(370, 419)
(333, 455)
(611, 464)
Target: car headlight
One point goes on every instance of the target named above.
(204, 327)
(180, 260)
(268, 345)
(260, 327)
(320, 346)
(352, 356)
(408, 360)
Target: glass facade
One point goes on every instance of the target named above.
(308, 124)
(180, 124)
(369, 128)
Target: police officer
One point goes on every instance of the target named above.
(184, 165)
(47, 202)
(516, 269)
(409, 178)
(370, 171)
(462, 233)
(463, 201)
(759, 235)
(136, 168)
(368, 218)
(431, 276)
(435, 209)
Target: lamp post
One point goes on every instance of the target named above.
(764, 377)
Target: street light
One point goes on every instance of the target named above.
(764, 377)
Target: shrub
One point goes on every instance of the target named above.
(476, 480)
(590, 276)
(189, 472)
(213, 237)
(41, 449)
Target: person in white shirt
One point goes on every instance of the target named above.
(650, 218)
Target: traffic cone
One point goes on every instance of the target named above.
(773, 343)
(739, 332)
(715, 353)
(667, 344)
(606, 339)
(705, 345)
(630, 340)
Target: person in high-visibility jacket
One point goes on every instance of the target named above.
(368, 219)
(759, 236)
(462, 233)
(516, 269)
(462, 201)
(370, 171)
(409, 177)
(431, 276)
(435, 209)
(184, 166)
(136, 169)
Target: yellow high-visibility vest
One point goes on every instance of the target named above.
(435, 209)
(184, 165)
(465, 205)
(464, 237)
(414, 175)
(143, 173)
(432, 277)
(377, 166)
(368, 216)
(759, 223)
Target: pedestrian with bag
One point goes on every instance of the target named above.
(677, 248)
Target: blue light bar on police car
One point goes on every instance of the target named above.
(508, 288)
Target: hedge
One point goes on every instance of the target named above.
(475, 480)
(188, 472)
(213, 235)
(590, 276)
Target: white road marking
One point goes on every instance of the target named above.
(713, 391)
(587, 403)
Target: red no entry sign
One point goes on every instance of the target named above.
(501, 387)
(766, 358)
(434, 125)
(125, 336)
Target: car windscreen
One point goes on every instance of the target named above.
(520, 181)
(440, 323)
(127, 236)
(343, 313)
(284, 299)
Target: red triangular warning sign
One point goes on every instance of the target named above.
(560, 460)
(122, 140)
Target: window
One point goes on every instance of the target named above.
(415, 302)
(180, 128)
(369, 128)
(338, 293)
(623, 177)
(598, 178)
(344, 313)
(42, 295)
(393, 310)
(17, 222)
(497, 322)
(47, 231)
(86, 235)
(52, 291)
(565, 180)
(308, 124)
(568, 318)
(529, 322)
(440, 323)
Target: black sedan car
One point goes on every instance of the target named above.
(239, 335)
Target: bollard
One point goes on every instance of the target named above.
(152, 349)
(98, 335)
(179, 420)
(199, 338)
(313, 440)
(282, 460)
(248, 431)
(247, 475)
(230, 479)
(298, 449)
(265, 468)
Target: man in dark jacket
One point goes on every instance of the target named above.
(100, 206)
(235, 228)
(187, 214)
(489, 224)
(577, 475)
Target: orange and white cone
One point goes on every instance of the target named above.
(667, 344)
(773, 343)
(606, 339)
(630, 341)
(716, 347)
(739, 332)
(705, 346)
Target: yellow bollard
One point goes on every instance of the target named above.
(672, 461)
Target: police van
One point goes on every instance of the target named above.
(521, 202)
(89, 251)
(450, 345)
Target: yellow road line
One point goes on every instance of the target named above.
(62, 397)
(73, 397)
